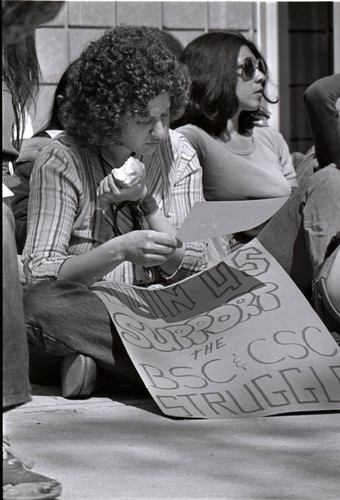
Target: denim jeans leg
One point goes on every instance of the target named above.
(298, 234)
(15, 383)
(66, 317)
(321, 217)
(283, 236)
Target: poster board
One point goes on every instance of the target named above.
(236, 340)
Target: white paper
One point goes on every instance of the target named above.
(53, 133)
(6, 192)
(214, 218)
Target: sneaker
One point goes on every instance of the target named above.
(20, 483)
(79, 376)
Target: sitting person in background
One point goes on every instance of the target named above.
(23, 166)
(322, 103)
(242, 160)
(322, 100)
(84, 226)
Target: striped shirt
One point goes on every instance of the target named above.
(63, 215)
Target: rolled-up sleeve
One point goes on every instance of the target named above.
(187, 190)
(54, 195)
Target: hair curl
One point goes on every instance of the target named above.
(115, 78)
(211, 60)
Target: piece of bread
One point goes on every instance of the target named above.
(131, 173)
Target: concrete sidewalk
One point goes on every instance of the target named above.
(122, 447)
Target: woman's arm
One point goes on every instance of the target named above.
(145, 248)
(286, 161)
(53, 208)
(320, 100)
(186, 191)
(157, 221)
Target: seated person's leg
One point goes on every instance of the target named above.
(66, 318)
(299, 233)
(326, 289)
(321, 211)
(16, 388)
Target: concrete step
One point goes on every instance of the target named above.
(120, 446)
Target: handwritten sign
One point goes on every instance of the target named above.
(207, 219)
(237, 340)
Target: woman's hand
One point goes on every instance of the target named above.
(149, 248)
(108, 192)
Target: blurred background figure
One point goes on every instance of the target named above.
(322, 101)
(19, 84)
(29, 151)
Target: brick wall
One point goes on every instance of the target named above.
(61, 41)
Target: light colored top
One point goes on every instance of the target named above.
(63, 219)
(262, 171)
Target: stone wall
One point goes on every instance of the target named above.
(61, 41)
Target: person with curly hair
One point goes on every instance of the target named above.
(30, 149)
(84, 226)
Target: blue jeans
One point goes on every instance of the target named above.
(66, 317)
(15, 384)
(299, 233)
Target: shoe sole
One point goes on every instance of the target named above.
(79, 376)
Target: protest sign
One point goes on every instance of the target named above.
(236, 340)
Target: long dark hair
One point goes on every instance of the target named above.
(21, 74)
(54, 121)
(211, 60)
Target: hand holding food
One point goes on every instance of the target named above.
(130, 174)
(126, 183)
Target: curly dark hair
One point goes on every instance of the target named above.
(115, 78)
(211, 60)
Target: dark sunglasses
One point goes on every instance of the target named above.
(249, 67)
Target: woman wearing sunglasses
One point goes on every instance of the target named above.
(84, 227)
(224, 120)
(243, 158)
